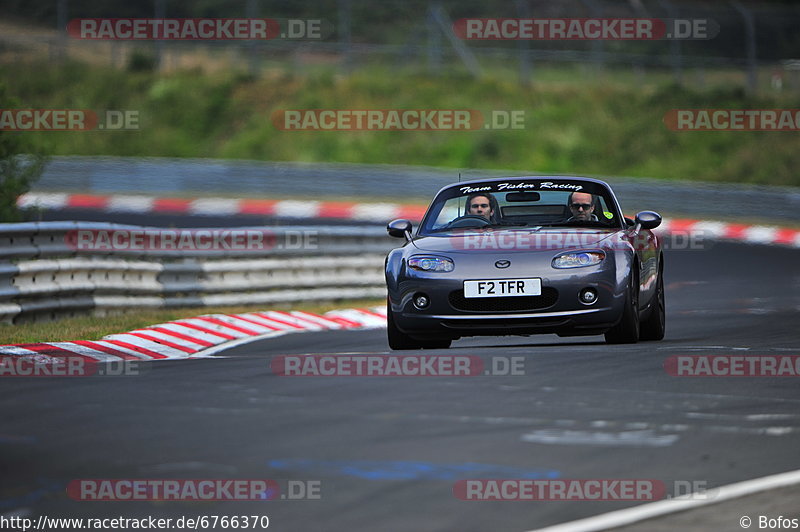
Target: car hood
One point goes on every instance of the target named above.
(517, 241)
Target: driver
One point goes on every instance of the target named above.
(480, 204)
(581, 205)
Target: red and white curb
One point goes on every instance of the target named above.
(198, 337)
(362, 212)
(751, 234)
(224, 206)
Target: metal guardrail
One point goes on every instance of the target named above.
(51, 239)
(43, 276)
(394, 183)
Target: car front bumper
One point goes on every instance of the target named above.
(561, 312)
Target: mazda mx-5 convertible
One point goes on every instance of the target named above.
(525, 255)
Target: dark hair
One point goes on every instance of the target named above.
(493, 206)
(474, 195)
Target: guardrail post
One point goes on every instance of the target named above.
(9, 309)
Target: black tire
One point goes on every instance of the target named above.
(627, 330)
(654, 326)
(400, 341)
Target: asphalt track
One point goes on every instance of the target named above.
(388, 450)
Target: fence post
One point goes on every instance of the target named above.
(750, 35)
(598, 47)
(62, 40)
(674, 45)
(458, 45)
(523, 11)
(161, 13)
(253, 63)
(434, 44)
(344, 32)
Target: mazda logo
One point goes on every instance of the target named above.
(503, 263)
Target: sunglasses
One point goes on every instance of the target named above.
(481, 205)
(584, 206)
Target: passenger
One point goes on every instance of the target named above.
(581, 205)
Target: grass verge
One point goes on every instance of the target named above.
(595, 129)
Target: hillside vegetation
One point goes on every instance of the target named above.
(611, 129)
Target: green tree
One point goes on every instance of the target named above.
(20, 164)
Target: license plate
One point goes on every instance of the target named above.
(503, 288)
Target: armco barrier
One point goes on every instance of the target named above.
(36, 240)
(42, 276)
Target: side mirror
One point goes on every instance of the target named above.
(399, 229)
(648, 219)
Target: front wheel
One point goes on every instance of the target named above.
(627, 330)
(654, 326)
(400, 341)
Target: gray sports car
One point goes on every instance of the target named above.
(525, 255)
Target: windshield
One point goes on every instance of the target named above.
(528, 203)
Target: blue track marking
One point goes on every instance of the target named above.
(407, 470)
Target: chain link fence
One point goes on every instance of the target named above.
(757, 45)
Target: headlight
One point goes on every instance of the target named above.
(431, 264)
(578, 259)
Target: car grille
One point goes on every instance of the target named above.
(508, 324)
(504, 304)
